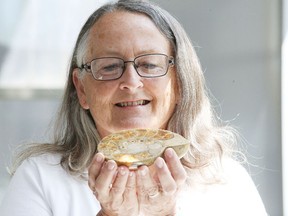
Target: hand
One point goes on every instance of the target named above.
(151, 191)
(157, 186)
(113, 186)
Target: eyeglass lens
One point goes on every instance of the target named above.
(110, 68)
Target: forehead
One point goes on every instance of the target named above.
(122, 30)
(111, 21)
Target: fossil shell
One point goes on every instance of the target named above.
(138, 147)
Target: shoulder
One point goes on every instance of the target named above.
(45, 175)
(242, 189)
(44, 159)
(41, 184)
(234, 194)
(36, 166)
(236, 174)
(26, 190)
(47, 170)
(234, 170)
(41, 171)
(236, 179)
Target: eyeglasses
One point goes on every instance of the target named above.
(112, 68)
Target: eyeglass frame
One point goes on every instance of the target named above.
(170, 61)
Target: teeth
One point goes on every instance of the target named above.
(133, 103)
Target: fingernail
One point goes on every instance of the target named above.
(159, 163)
(122, 171)
(99, 158)
(169, 153)
(110, 165)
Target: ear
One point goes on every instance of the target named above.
(80, 89)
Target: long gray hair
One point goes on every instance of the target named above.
(76, 137)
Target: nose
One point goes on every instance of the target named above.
(130, 80)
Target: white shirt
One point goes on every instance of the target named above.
(41, 187)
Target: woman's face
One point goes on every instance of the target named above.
(119, 104)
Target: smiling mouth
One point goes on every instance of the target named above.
(133, 103)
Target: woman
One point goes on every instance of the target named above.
(133, 66)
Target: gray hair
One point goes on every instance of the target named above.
(76, 137)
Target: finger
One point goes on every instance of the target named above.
(105, 179)
(175, 166)
(94, 169)
(146, 185)
(130, 191)
(167, 183)
(119, 184)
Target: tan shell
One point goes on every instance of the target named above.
(138, 147)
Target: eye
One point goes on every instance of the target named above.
(148, 65)
(111, 67)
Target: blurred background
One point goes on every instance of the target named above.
(239, 44)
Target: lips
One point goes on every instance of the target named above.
(133, 103)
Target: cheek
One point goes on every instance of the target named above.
(99, 107)
(170, 92)
(95, 99)
(94, 90)
(171, 96)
